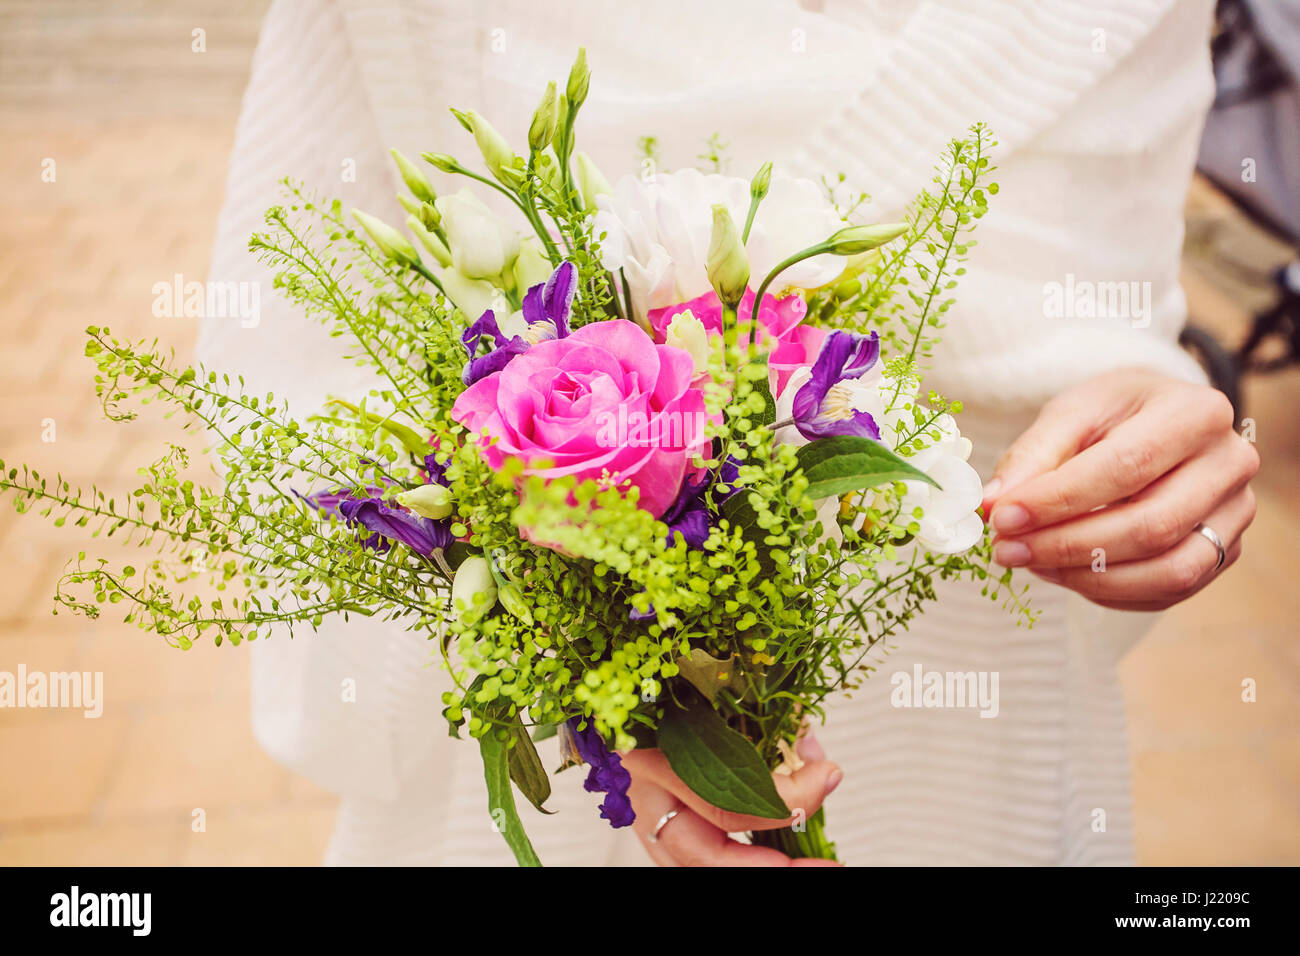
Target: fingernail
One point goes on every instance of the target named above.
(833, 780)
(1010, 518)
(1048, 574)
(992, 488)
(1011, 554)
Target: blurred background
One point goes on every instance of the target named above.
(139, 127)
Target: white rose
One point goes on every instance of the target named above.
(657, 231)
(482, 246)
(949, 523)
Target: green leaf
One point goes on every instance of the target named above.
(407, 436)
(709, 674)
(545, 732)
(843, 463)
(501, 799)
(457, 552)
(526, 768)
(718, 763)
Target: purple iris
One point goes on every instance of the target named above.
(330, 503)
(503, 349)
(844, 355)
(547, 305)
(607, 774)
(689, 513)
(422, 535)
(546, 308)
(435, 469)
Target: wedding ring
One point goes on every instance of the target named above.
(1212, 536)
(663, 822)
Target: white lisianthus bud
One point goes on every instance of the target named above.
(497, 153)
(472, 296)
(429, 241)
(561, 118)
(482, 246)
(442, 162)
(579, 80)
(687, 333)
(543, 126)
(390, 242)
(414, 178)
(727, 262)
(852, 240)
(425, 212)
(761, 183)
(591, 183)
(428, 501)
(531, 266)
(473, 589)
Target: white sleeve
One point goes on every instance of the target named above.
(1097, 109)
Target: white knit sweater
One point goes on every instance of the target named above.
(1097, 105)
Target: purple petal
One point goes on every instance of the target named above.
(819, 426)
(486, 325)
(550, 302)
(421, 535)
(647, 615)
(694, 527)
(533, 309)
(862, 356)
(607, 774)
(557, 300)
(436, 471)
(843, 355)
(482, 366)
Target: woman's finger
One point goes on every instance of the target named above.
(802, 791)
(693, 841)
(1170, 577)
(1150, 523)
(686, 839)
(1133, 454)
(807, 746)
(1061, 429)
(650, 802)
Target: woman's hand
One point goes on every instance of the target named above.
(1115, 474)
(698, 834)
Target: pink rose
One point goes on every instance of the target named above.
(794, 350)
(603, 403)
(778, 316)
(792, 344)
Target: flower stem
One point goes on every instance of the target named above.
(771, 277)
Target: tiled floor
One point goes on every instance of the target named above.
(138, 127)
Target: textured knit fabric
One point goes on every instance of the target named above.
(1098, 109)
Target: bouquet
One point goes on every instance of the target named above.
(647, 462)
